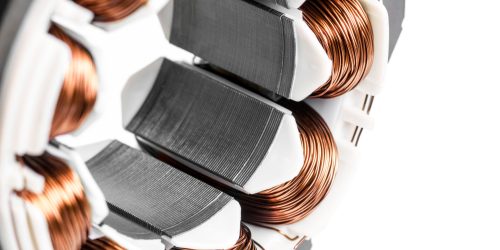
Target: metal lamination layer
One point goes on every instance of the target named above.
(197, 117)
(12, 14)
(128, 227)
(243, 37)
(151, 193)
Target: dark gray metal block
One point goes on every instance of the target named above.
(243, 37)
(195, 117)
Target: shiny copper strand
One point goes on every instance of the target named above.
(345, 32)
(103, 243)
(111, 10)
(79, 91)
(63, 201)
(295, 199)
(245, 241)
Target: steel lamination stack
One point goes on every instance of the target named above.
(177, 151)
(258, 45)
(219, 129)
(161, 201)
(264, 47)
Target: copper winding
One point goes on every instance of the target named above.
(244, 242)
(62, 202)
(111, 10)
(294, 200)
(79, 91)
(345, 32)
(103, 243)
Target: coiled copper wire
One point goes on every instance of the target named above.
(244, 242)
(111, 10)
(294, 200)
(79, 91)
(63, 201)
(103, 243)
(345, 32)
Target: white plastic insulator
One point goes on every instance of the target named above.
(347, 151)
(157, 5)
(19, 216)
(358, 117)
(40, 226)
(71, 10)
(33, 181)
(370, 86)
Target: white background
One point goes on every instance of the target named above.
(429, 176)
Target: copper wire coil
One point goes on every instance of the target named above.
(294, 200)
(111, 10)
(79, 91)
(63, 202)
(103, 243)
(345, 32)
(244, 242)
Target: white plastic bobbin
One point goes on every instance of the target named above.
(27, 67)
(370, 86)
(32, 78)
(72, 11)
(40, 226)
(312, 67)
(17, 225)
(348, 153)
(358, 117)
(295, 3)
(23, 230)
(33, 181)
(157, 5)
(42, 99)
(12, 211)
(10, 179)
(379, 18)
